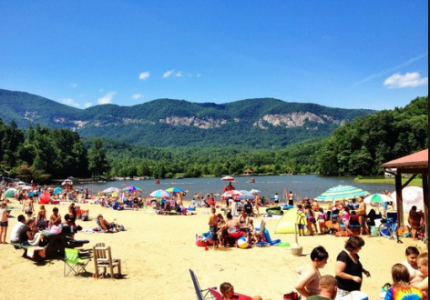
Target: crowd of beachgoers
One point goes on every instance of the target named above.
(230, 218)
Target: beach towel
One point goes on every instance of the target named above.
(32, 250)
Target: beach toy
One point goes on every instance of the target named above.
(283, 244)
(242, 242)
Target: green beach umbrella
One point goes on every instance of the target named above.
(377, 198)
(341, 192)
(10, 193)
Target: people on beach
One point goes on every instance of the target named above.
(402, 288)
(348, 269)
(301, 220)
(213, 228)
(17, 228)
(105, 225)
(411, 264)
(28, 206)
(55, 218)
(328, 288)
(423, 264)
(414, 220)
(227, 290)
(4, 223)
(309, 275)
(361, 212)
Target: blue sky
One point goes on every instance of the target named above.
(338, 53)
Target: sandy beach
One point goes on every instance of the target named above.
(158, 251)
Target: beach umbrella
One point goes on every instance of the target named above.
(67, 182)
(255, 191)
(132, 188)
(377, 198)
(228, 178)
(246, 195)
(26, 188)
(174, 190)
(412, 196)
(10, 193)
(232, 194)
(160, 194)
(58, 191)
(111, 190)
(341, 192)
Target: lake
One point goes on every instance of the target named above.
(302, 185)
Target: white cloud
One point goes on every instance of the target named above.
(167, 74)
(70, 102)
(144, 75)
(179, 74)
(389, 70)
(88, 104)
(74, 85)
(106, 99)
(398, 80)
(137, 96)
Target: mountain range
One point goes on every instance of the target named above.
(255, 123)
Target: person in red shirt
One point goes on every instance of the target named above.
(227, 290)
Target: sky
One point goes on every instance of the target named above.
(336, 53)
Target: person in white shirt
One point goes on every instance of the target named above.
(17, 228)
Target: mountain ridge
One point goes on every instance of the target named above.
(256, 123)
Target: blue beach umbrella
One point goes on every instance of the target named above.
(341, 192)
(174, 190)
(58, 191)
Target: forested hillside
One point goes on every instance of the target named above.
(360, 147)
(253, 123)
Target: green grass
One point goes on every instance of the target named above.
(415, 182)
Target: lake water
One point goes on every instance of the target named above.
(302, 185)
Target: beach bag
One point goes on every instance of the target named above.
(291, 296)
(374, 231)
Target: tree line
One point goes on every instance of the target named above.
(358, 148)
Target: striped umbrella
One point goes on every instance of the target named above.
(160, 194)
(341, 192)
(174, 190)
(377, 198)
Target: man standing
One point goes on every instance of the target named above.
(290, 198)
(213, 228)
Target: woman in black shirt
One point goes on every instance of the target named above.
(349, 270)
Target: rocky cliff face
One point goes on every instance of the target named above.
(293, 120)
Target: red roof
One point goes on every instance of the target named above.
(419, 159)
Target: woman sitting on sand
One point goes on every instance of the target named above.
(55, 218)
(105, 225)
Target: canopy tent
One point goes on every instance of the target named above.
(416, 163)
(341, 192)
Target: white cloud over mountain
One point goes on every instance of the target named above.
(407, 80)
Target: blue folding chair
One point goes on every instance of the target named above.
(201, 294)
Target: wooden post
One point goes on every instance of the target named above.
(426, 208)
(399, 200)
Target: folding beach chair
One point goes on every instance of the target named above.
(103, 259)
(73, 263)
(201, 294)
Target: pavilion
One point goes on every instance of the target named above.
(416, 164)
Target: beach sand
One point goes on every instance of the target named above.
(158, 251)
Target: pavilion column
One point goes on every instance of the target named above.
(426, 208)
(399, 200)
